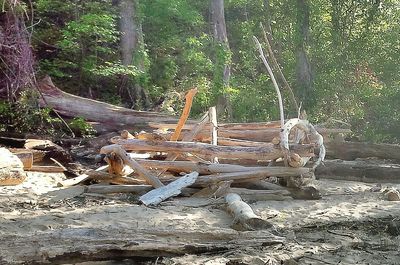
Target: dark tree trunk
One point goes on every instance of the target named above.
(221, 39)
(131, 43)
(304, 77)
(16, 58)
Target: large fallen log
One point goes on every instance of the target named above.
(76, 245)
(190, 166)
(74, 106)
(370, 171)
(266, 152)
(353, 150)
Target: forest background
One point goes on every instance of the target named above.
(340, 57)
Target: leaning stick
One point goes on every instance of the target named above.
(214, 135)
(276, 66)
(260, 50)
(117, 149)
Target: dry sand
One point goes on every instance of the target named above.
(351, 224)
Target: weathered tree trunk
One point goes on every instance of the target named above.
(222, 62)
(131, 45)
(360, 170)
(303, 67)
(92, 110)
(16, 65)
(76, 245)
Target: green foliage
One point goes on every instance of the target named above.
(25, 116)
(81, 128)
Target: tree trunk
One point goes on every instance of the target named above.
(131, 44)
(303, 66)
(222, 50)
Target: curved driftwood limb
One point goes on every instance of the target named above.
(244, 216)
(117, 149)
(308, 128)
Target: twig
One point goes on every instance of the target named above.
(271, 74)
(340, 234)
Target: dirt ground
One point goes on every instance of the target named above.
(351, 224)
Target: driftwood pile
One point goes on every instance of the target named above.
(208, 160)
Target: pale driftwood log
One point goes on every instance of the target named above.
(49, 169)
(106, 189)
(212, 112)
(74, 106)
(353, 150)
(266, 152)
(251, 126)
(74, 181)
(237, 142)
(244, 216)
(201, 168)
(103, 177)
(174, 188)
(155, 182)
(11, 169)
(370, 171)
(262, 195)
(254, 174)
(301, 193)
